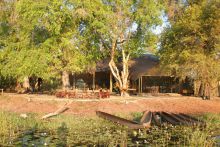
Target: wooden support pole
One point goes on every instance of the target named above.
(74, 81)
(218, 88)
(141, 84)
(93, 81)
(110, 86)
(139, 87)
(180, 86)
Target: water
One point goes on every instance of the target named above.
(64, 136)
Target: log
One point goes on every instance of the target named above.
(192, 120)
(171, 119)
(57, 112)
(181, 119)
(130, 124)
(156, 119)
(153, 118)
(146, 119)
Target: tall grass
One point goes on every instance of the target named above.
(76, 130)
(205, 137)
(69, 130)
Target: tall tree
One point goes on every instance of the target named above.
(45, 41)
(20, 57)
(123, 28)
(190, 45)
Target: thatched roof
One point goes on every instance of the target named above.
(103, 65)
(146, 64)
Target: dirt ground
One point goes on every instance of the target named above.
(25, 103)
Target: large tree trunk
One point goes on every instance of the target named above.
(201, 90)
(204, 90)
(65, 80)
(26, 84)
(207, 91)
(197, 86)
(121, 78)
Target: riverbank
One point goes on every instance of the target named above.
(42, 104)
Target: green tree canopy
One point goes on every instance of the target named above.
(190, 45)
(121, 29)
(44, 40)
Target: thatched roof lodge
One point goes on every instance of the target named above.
(145, 64)
(145, 76)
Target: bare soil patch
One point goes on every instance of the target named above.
(25, 103)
